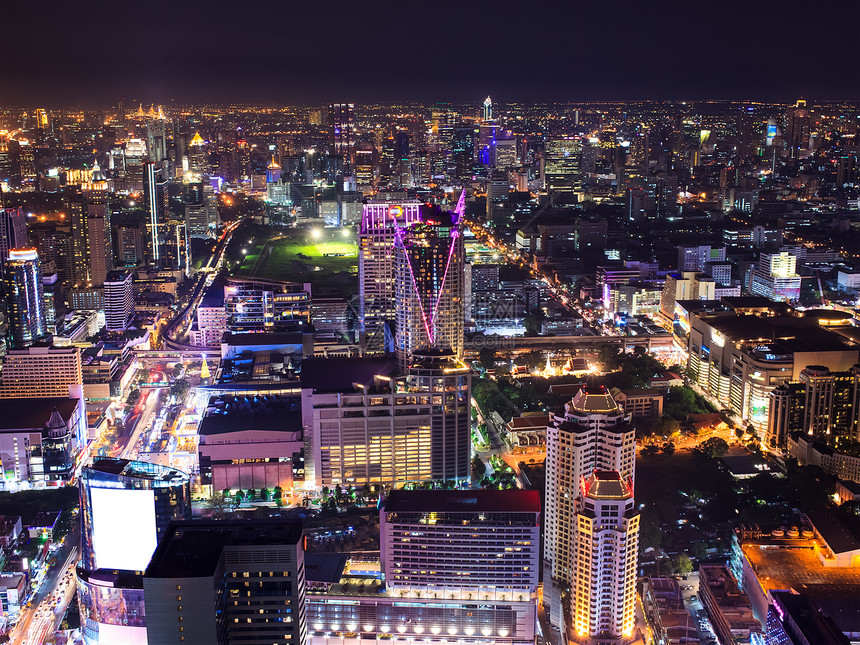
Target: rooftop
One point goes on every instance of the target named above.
(787, 564)
(192, 548)
(465, 501)
(33, 414)
(833, 531)
(137, 470)
(607, 484)
(237, 413)
(342, 374)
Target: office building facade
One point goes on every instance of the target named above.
(227, 582)
(119, 301)
(42, 371)
(370, 425)
(25, 298)
(429, 285)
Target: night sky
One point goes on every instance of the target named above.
(91, 52)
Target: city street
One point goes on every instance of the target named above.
(50, 601)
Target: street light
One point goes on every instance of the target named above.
(315, 233)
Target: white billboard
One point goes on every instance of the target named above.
(115, 634)
(124, 535)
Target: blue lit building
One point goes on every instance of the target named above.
(25, 301)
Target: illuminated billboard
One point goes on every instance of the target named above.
(124, 533)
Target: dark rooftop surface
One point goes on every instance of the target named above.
(20, 414)
(788, 333)
(834, 532)
(324, 567)
(466, 501)
(339, 374)
(192, 548)
(237, 413)
(815, 625)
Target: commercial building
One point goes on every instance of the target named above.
(126, 507)
(776, 277)
(42, 371)
(797, 619)
(119, 300)
(41, 440)
(13, 231)
(823, 405)
(687, 285)
(380, 222)
(364, 422)
(227, 582)
(811, 452)
(342, 120)
(25, 298)
(741, 357)
(591, 434)
(429, 284)
(694, 258)
(728, 607)
(457, 567)
(211, 323)
(603, 587)
(251, 442)
(257, 304)
(480, 541)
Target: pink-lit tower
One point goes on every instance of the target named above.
(429, 284)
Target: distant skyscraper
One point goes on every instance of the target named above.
(119, 302)
(376, 238)
(562, 165)
(13, 231)
(429, 283)
(797, 128)
(153, 204)
(25, 302)
(488, 109)
(342, 130)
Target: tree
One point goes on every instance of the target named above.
(714, 447)
(264, 494)
(239, 496)
(218, 505)
(487, 357)
(251, 494)
(278, 492)
(650, 450)
(668, 448)
(681, 564)
(338, 492)
(177, 370)
(133, 397)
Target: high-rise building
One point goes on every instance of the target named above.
(42, 371)
(685, 285)
(364, 424)
(562, 165)
(25, 300)
(227, 582)
(153, 204)
(126, 507)
(119, 300)
(776, 277)
(343, 130)
(13, 231)
(376, 237)
(429, 283)
(603, 589)
(593, 433)
(492, 535)
(694, 258)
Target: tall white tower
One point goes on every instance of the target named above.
(603, 596)
(488, 109)
(592, 434)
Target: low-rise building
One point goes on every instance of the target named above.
(642, 402)
(728, 607)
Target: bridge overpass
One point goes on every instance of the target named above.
(528, 343)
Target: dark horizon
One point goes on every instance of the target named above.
(92, 52)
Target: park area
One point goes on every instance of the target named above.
(322, 257)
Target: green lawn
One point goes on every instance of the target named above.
(331, 266)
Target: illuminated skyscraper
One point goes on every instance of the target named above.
(376, 238)
(488, 109)
(119, 301)
(591, 434)
(429, 283)
(603, 591)
(342, 130)
(562, 165)
(99, 243)
(25, 302)
(13, 231)
(126, 507)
